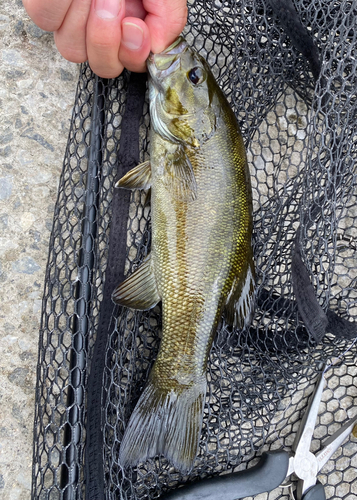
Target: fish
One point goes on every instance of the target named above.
(201, 261)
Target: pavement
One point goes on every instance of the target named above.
(37, 90)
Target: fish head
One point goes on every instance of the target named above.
(184, 95)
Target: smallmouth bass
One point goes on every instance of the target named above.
(201, 262)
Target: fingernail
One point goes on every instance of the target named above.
(107, 9)
(132, 36)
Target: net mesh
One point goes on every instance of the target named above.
(301, 145)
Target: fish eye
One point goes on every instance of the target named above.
(195, 75)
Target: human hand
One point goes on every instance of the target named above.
(110, 34)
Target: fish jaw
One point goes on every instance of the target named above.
(163, 64)
(160, 67)
(177, 101)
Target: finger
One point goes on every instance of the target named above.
(135, 44)
(47, 14)
(165, 20)
(103, 35)
(70, 38)
(135, 8)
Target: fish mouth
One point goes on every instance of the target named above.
(162, 64)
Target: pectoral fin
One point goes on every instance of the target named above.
(138, 177)
(179, 176)
(240, 300)
(139, 291)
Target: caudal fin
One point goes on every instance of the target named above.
(165, 422)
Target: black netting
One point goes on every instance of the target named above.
(301, 146)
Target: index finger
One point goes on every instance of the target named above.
(165, 20)
(47, 14)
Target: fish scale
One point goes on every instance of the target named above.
(201, 259)
(198, 255)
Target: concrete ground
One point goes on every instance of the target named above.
(37, 89)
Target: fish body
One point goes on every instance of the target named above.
(201, 259)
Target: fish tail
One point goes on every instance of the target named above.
(165, 421)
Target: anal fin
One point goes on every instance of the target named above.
(240, 301)
(138, 177)
(139, 291)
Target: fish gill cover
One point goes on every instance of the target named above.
(296, 106)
